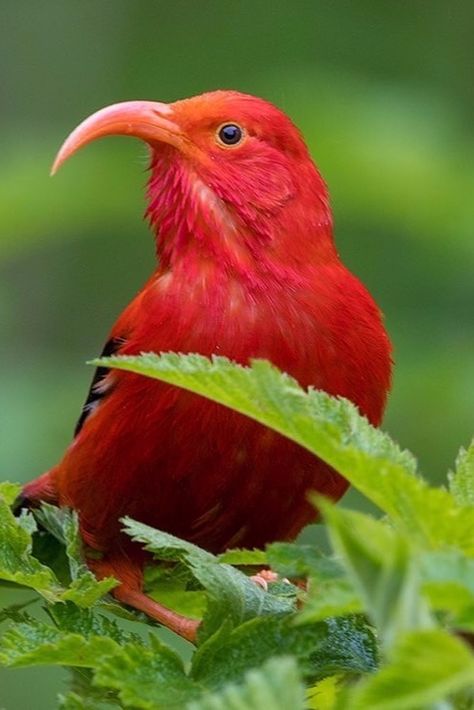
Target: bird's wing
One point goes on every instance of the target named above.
(121, 334)
(97, 390)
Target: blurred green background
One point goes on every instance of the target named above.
(384, 93)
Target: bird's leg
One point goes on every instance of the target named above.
(130, 591)
(119, 565)
(181, 625)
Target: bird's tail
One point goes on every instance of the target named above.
(41, 489)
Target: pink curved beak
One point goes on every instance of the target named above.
(149, 120)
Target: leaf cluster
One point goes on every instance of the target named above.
(383, 621)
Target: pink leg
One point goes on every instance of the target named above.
(130, 574)
(181, 625)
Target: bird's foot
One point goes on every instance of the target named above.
(265, 576)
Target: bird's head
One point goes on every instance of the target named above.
(231, 177)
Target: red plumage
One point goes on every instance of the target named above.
(247, 268)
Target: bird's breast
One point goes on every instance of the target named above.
(209, 312)
(184, 464)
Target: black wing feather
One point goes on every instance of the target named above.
(95, 395)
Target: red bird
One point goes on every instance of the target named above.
(247, 268)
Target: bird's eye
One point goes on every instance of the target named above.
(230, 134)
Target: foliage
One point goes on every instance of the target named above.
(382, 621)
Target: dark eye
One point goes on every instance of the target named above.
(230, 134)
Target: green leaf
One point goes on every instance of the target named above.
(380, 562)
(32, 642)
(63, 524)
(78, 637)
(461, 482)
(464, 620)
(331, 428)
(148, 678)
(231, 594)
(69, 618)
(426, 666)
(186, 602)
(329, 592)
(276, 686)
(13, 611)
(85, 694)
(9, 491)
(294, 560)
(448, 583)
(125, 613)
(175, 587)
(321, 649)
(239, 557)
(17, 563)
(82, 689)
(323, 695)
(85, 590)
(328, 598)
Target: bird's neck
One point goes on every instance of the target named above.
(197, 228)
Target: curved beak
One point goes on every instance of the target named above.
(149, 120)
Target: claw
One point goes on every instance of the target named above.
(263, 577)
